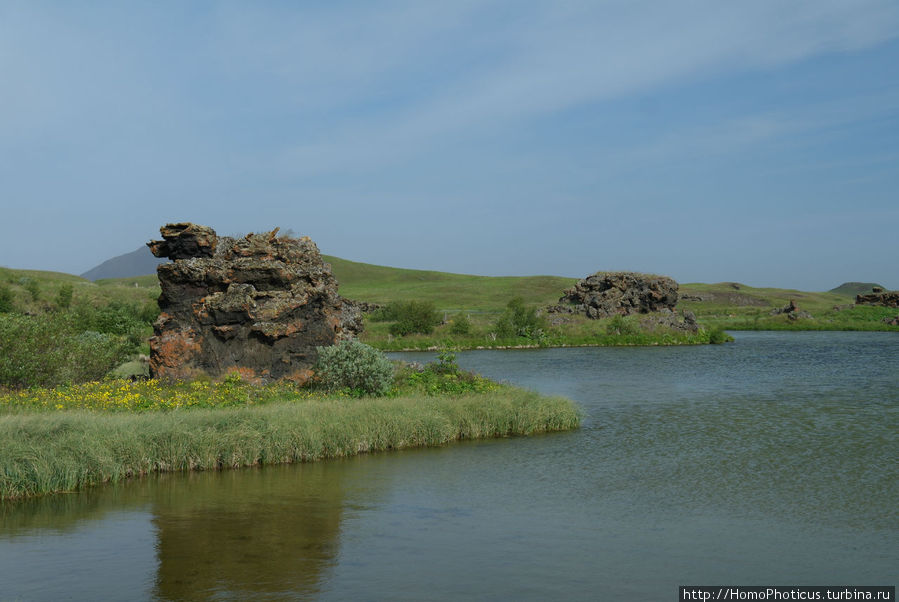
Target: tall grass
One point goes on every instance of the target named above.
(44, 453)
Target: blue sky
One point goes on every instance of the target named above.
(709, 141)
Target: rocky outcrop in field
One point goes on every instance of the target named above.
(791, 310)
(879, 297)
(259, 305)
(605, 294)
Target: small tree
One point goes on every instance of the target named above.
(620, 325)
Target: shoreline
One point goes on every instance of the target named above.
(50, 452)
(512, 347)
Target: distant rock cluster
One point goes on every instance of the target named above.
(792, 311)
(259, 305)
(878, 296)
(606, 294)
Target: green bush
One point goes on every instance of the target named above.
(48, 351)
(118, 318)
(520, 321)
(415, 317)
(620, 325)
(389, 313)
(354, 368)
(64, 296)
(443, 377)
(31, 285)
(6, 299)
(718, 336)
(461, 324)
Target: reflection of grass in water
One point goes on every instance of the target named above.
(271, 531)
(64, 451)
(823, 461)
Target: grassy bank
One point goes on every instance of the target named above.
(566, 330)
(59, 451)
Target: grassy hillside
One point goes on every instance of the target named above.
(725, 296)
(36, 291)
(380, 284)
(736, 306)
(726, 304)
(851, 289)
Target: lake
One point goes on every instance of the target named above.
(770, 460)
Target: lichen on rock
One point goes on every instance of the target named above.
(259, 305)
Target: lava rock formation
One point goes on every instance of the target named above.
(258, 305)
(605, 294)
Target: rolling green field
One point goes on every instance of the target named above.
(379, 284)
(725, 305)
(35, 291)
(734, 306)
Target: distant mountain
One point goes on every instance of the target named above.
(851, 289)
(139, 262)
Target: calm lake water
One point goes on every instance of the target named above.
(771, 460)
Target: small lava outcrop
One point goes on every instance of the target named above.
(605, 294)
(258, 305)
(878, 296)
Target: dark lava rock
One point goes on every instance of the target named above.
(666, 318)
(884, 298)
(259, 305)
(790, 308)
(606, 294)
(792, 311)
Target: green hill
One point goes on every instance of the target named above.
(710, 298)
(34, 291)
(381, 284)
(138, 262)
(726, 304)
(851, 289)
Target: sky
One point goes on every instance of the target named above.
(755, 142)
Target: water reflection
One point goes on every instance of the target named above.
(770, 460)
(274, 531)
(270, 532)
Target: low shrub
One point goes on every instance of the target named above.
(48, 350)
(443, 377)
(32, 286)
(619, 325)
(388, 313)
(461, 324)
(354, 368)
(129, 320)
(718, 336)
(64, 296)
(6, 299)
(519, 320)
(415, 317)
